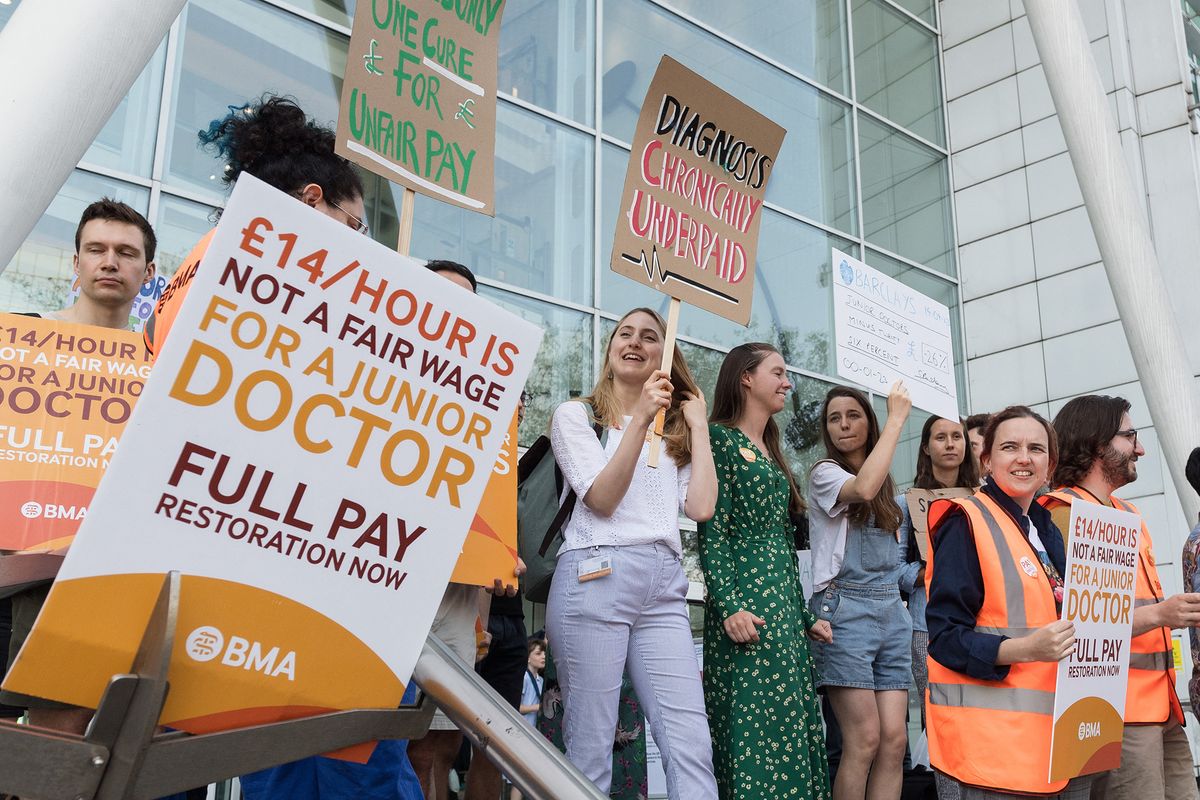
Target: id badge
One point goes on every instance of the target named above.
(594, 568)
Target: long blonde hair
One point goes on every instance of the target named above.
(607, 409)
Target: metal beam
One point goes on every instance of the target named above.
(531, 763)
(66, 65)
(1122, 233)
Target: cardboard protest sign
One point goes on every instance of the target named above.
(66, 392)
(886, 331)
(1089, 695)
(418, 101)
(490, 549)
(691, 208)
(309, 454)
(918, 502)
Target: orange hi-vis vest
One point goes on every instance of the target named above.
(1151, 697)
(159, 325)
(996, 734)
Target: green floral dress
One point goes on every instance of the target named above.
(768, 740)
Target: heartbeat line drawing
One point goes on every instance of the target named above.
(655, 271)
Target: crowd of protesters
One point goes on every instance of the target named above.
(965, 603)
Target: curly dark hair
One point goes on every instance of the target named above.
(273, 140)
(1192, 470)
(1085, 426)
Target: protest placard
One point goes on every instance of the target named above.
(309, 453)
(66, 392)
(885, 331)
(490, 549)
(418, 103)
(918, 501)
(1089, 695)
(692, 203)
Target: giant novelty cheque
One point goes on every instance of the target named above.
(308, 453)
(885, 331)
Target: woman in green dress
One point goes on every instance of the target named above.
(768, 740)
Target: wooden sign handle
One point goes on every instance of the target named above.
(668, 356)
(407, 202)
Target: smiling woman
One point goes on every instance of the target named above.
(995, 595)
(619, 590)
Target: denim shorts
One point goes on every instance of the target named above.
(872, 638)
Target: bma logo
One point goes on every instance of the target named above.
(32, 509)
(206, 643)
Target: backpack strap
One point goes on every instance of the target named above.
(568, 504)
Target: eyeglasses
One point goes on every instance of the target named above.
(1130, 434)
(358, 225)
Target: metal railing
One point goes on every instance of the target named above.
(123, 756)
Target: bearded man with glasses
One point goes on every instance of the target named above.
(1098, 454)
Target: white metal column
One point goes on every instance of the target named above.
(66, 65)
(1122, 233)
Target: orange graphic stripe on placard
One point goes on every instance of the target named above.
(479, 525)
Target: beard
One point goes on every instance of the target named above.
(1118, 468)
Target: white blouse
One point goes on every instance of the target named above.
(649, 511)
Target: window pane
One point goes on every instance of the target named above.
(904, 462)
(808, 37)
(814, 175)
(547, 55)
(340, 12)
(800, 422)
(896, 69)
(126, 142)
(6, 12)
(541, 236)
(792, 300)
(906, 196)
(181, 223)
(563, 368)
(231, 51)
(920, 8)
(945, 293)
(40, 274)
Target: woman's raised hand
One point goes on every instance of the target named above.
(656, 394)
(899, 403)
(695, 410)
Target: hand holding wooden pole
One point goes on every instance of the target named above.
(667, 357)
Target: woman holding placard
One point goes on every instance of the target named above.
(995, 595)
(618, 597)
(853, 523)
(768, 740)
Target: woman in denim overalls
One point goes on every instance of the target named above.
(853, 519)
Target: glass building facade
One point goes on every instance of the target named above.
(864, 166)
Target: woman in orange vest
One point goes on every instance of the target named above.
(995, 638)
